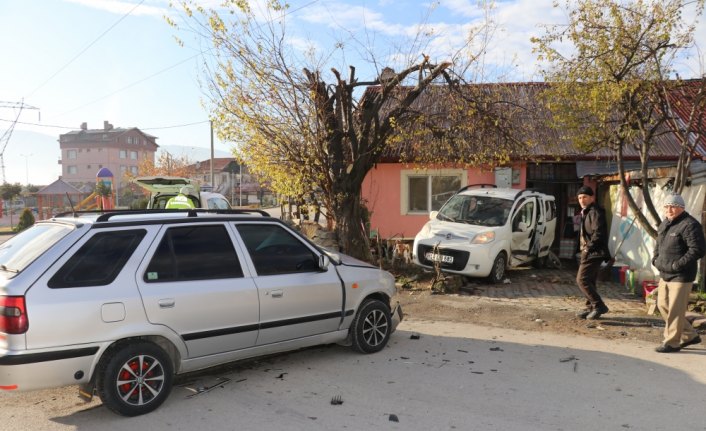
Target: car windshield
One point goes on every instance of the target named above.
(476, 210)
(22, 249)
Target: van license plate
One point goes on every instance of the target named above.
(435, 257)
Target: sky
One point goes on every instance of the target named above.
(76, 61)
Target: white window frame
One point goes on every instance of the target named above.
(122, 154)
(72, 170)
(406, 174)
(71, 154)
(133, 155)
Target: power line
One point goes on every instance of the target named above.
(86, 48)
(74, 128)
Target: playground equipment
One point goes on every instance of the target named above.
(97, 199)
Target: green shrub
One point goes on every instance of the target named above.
(26, 220)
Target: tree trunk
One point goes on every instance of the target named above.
(350, 225)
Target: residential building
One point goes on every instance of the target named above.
(86, 151)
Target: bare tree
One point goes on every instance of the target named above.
(301, 122)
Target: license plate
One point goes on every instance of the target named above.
(435, 257)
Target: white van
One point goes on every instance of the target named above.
(482, 230)
(164, 188)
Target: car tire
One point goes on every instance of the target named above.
(371, 327)
(134, 378)
(497, 272)
(540, 262)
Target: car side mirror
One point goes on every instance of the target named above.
(324, 262)
(433, 214)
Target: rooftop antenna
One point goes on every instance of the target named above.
(5, 138)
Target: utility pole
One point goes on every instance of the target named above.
(5, 138)
(213, 184)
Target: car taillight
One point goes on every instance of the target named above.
(13, 315)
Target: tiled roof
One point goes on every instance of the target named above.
(59, 187)
(521, 104)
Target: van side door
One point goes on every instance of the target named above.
(524, 228)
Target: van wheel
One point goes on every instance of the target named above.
(540, 262)
(497, 273)
(135, 378)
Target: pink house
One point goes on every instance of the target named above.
(400, 195)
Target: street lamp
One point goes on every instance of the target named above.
(27, 156)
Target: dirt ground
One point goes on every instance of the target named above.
(529, 300)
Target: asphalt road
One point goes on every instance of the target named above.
(452, 376)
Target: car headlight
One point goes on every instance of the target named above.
(484, 238)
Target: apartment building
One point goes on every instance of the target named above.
(86, 151)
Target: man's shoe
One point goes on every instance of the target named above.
(583, 313)
(665, 348)
(597, 312)
(695, 340)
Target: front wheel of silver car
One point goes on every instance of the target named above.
(497, 273)
(371, 327)
(134, 378)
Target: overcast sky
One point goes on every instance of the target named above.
(117, 60)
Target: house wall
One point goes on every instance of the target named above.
(384, 190)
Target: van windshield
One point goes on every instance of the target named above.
(476, 210)
(22, 249)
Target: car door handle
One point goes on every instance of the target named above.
(166, 303)
(276, 293)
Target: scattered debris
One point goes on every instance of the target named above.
(414, 337)
(220, 382)
(477, 372)
(281, 376)
(336, 400)
(568, 358)
(463, 351)
(404, 357)
(539, 320)
(496, 349)
(507, 281)
(394, 418)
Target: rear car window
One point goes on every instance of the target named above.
(22, 249)
(194, 253)
(275, 251)
(99, 260)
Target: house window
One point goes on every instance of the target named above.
(424, 191)
(133, 155)
(123, 169)
(133, 170)
(71, 154)
(123, 154)
(71, 170)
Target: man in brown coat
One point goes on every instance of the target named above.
(593, 246)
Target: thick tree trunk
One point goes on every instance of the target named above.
(350, 226)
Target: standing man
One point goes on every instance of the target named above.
(593, 246)
(680, 245)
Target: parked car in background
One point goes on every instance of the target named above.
(481, 230)
(120, 302)
(164, 188)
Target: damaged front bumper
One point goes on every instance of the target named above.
(397, 316)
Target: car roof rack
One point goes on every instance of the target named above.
(105, 215)
(477, 186)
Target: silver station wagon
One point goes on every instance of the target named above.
(120, 302)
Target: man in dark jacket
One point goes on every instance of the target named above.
(680, 245)
(593, 246)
